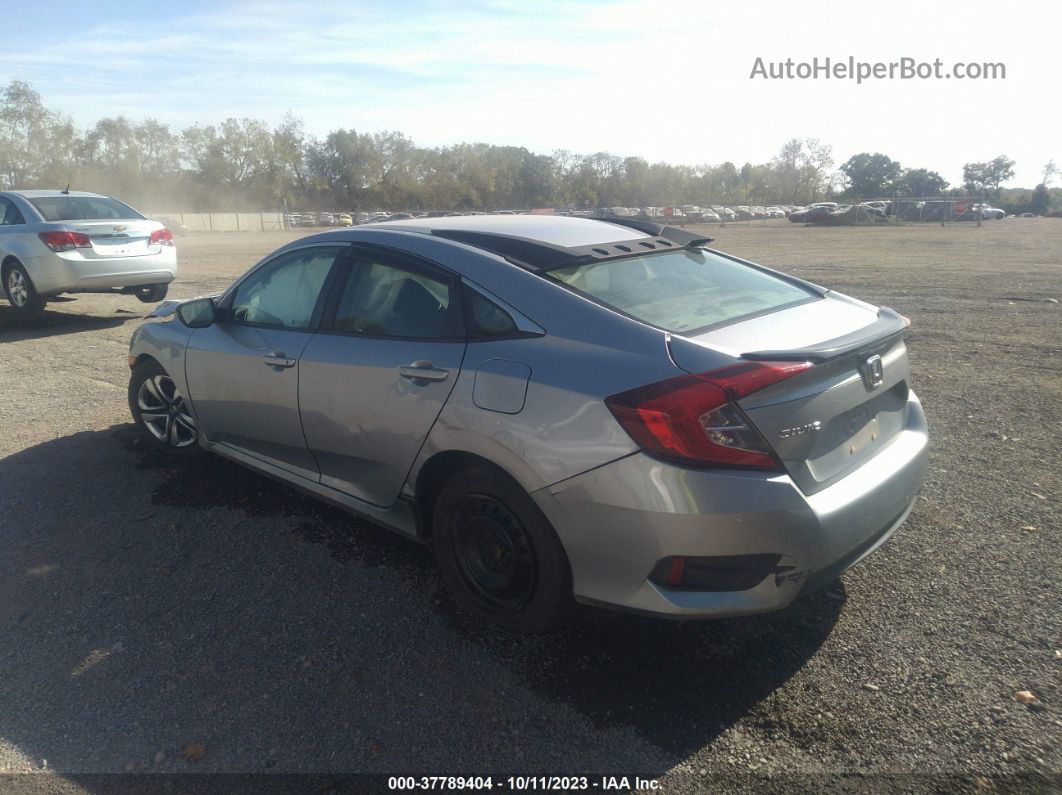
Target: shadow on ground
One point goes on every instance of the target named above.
(50, 323)
(149, 598)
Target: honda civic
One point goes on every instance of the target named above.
(603, 411)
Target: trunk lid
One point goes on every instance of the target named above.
(827, 421)
(115, 238)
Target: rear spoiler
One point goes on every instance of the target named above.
(889, 325)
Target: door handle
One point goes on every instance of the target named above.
(278, 359)
(423, 370)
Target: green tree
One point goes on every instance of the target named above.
(922, 182)
(287, 168)
(1040, 200)
(870, 175)
(728, 180)
(537, 181)
(988, 176)
(24, 135)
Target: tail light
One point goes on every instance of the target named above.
(161, 237)
(692, 418)
(65, 241)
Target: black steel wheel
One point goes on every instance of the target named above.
(493, 553)
(497, 552)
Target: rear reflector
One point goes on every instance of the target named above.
(161, 237)
(692, 419)
(718, 573)
(64, 241)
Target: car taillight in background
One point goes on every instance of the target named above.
(692, 418)
(161, 237)
(65, 241)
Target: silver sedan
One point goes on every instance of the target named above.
(54, 242)
(609, 412)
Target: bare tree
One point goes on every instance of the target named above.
(1050, 169)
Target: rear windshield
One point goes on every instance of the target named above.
(82, 208)
(683, 291)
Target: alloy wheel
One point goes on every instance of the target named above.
(164, 412)
(17, 289)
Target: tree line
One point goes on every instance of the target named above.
(247, 164)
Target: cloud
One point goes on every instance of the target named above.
(664, 81)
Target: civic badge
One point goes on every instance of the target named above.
(873, 372)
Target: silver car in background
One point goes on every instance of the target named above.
(565, 408)
(54, 242)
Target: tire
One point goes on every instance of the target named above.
(152, 293)
(160, 411)
(20, 292)
(498, 554)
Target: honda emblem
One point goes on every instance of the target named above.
(873, 372)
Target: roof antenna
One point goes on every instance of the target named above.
(66, 191)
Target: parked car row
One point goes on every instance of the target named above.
(903, 210)
(940, 210)
(352, 218)
(683, 214)
(692, 213)
(318, 219)
(818, 212)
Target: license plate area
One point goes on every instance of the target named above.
(861, 428)
(119, 247)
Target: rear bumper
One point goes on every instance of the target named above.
(618, 520)
(55, 273)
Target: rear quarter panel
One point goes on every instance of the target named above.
(21, 242)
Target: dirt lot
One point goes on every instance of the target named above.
(146, 606)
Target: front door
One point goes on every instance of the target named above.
(376, 376)
(243, 371)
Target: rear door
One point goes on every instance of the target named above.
(375, 377)
(12, 226)
(243, 371)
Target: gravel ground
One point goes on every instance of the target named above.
(162, 617)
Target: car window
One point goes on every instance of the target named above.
(9, 213)
(682, 291)
(284, 291)
(83, 208)
(386, 300)
(486, 318)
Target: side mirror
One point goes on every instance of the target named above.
(198, 313)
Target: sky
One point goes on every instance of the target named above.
(667, 81)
